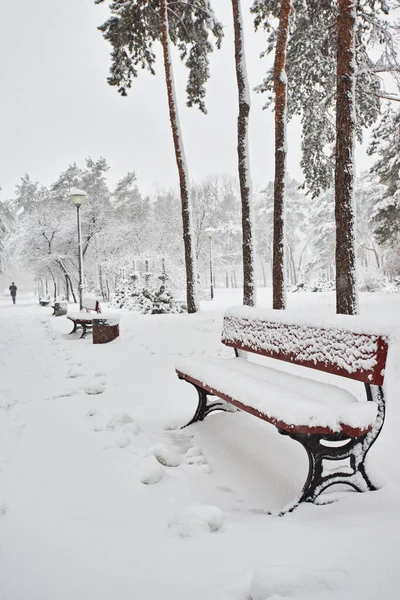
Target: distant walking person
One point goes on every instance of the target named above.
(13, 292)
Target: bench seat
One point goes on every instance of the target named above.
(81, 317)
(291, 403)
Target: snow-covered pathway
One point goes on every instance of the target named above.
(79, 428)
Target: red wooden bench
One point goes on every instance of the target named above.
(330, 423)
(84, 318)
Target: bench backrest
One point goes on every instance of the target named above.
(356, 355)
(90, 303)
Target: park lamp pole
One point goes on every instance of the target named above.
(77, 197)
(210, 232)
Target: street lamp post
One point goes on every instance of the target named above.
(77, 197)
(210, 232)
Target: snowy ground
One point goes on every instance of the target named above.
(87, 512)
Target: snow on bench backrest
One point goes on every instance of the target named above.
(348, 348)
(91, 303)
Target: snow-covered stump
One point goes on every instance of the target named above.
(60, 309)
(105, 329)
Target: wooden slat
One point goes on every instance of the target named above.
(288, 427)
(312, 347)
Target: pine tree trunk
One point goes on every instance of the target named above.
(190, 258)
(346, 286)
(280, 86)
(249, 287)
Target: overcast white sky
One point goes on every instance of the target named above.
(56, 106)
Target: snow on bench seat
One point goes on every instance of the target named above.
(292, 403)
(81, 316)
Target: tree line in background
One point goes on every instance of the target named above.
(131, 240)
(329, 60)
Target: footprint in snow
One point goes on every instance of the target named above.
(166, 455)
(92, 412)
(94, 388)
(151, 472)
(74, 373)
(196, 520)
(123, 422)
(225, 488)
(119, 423)
(170, 456)
(66, 394)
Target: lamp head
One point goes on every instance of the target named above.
(77, 196)
(209, 231)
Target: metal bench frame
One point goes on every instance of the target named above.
(86, 324)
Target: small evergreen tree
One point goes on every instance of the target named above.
(163, 299)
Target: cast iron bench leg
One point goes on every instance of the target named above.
(74, 328)
(205, 407)
(355, 450)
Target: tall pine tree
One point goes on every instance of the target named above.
(280, 87)
(132, 31)
(249, 284)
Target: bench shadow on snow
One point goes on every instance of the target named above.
(267, 469)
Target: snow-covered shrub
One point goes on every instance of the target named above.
(145, 301)
(393, 286)
(121, 290)
(132, 293)
(370, 280)
(321, 285)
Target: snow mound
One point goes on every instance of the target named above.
(193, 451)
(74, 373)
(195, 520)
(94, 388)
(118, 421)
(194, 456)
(292, 582)
(132, 428)
(166, 455)
(123, 441)
(151, 471)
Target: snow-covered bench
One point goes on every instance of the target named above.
(84, 318)
(60, 307)
(330, 423)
